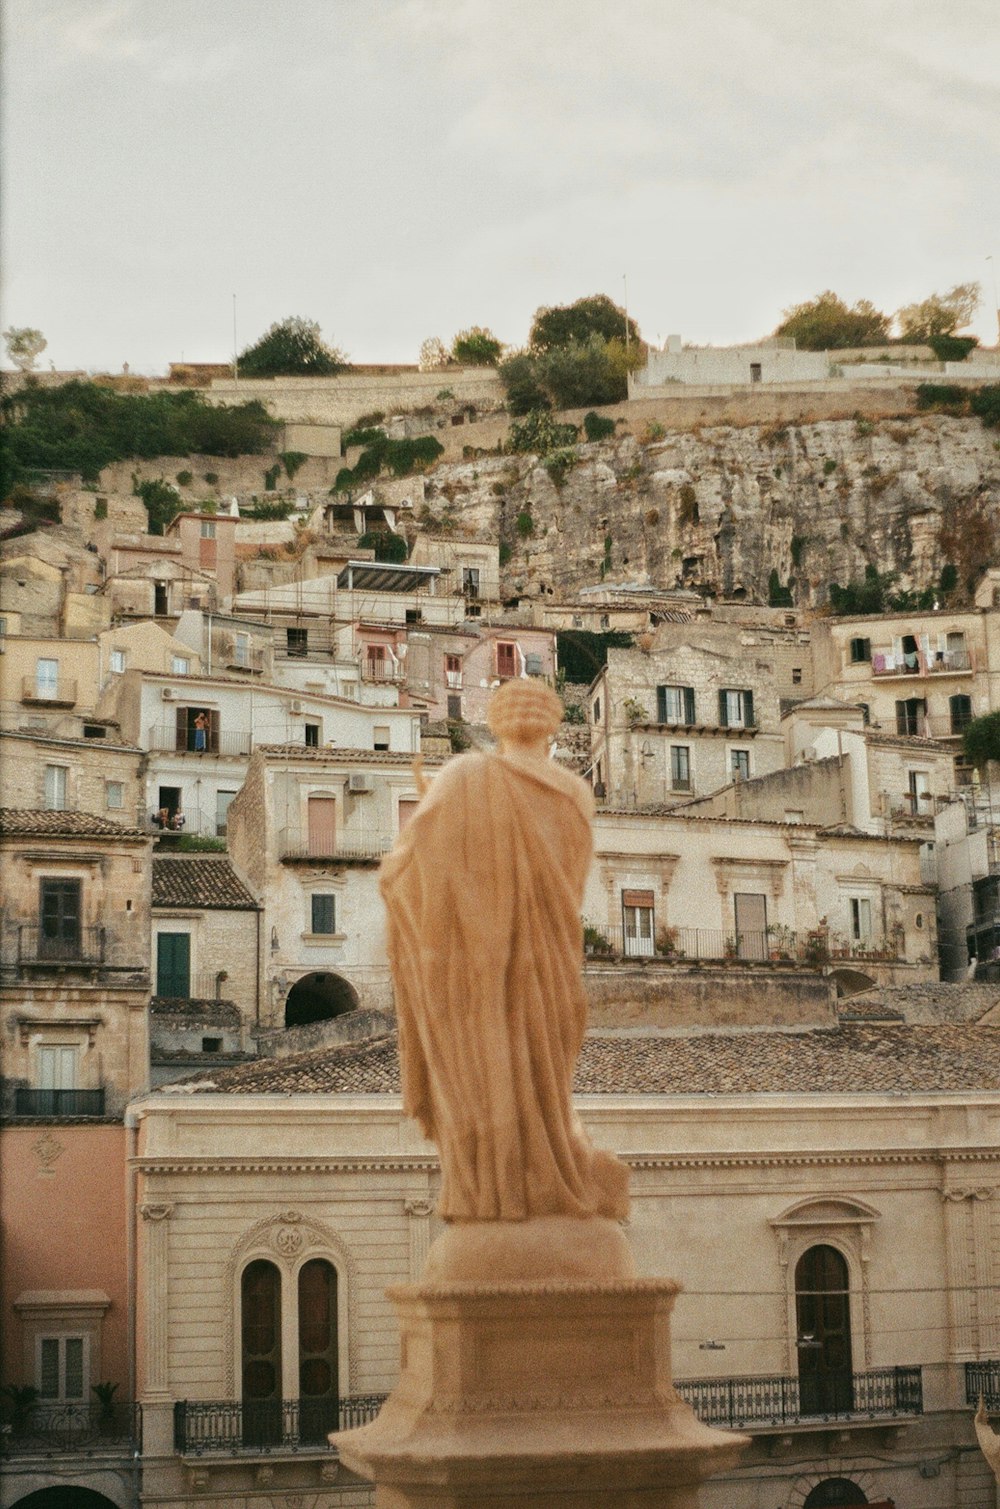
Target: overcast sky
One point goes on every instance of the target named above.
(397, 169)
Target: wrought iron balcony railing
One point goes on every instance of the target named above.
(267, 1426)
(881, 1394)
(28, 1102)
(982, 1381)
(381, 670)
(46, 1429)
(84, 946)
(358, 847)
(229, 743)
(943, 662)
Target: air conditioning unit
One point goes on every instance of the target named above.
(358, 783)
(295, 706)
(168, 694)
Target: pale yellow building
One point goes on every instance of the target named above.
(848, 1339)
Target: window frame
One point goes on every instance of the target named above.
(109, 804)
(680, 755)
(319, 900)
(60, 784)
(684, 700)
(62, 1339)
(117, 661)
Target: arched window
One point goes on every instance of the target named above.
(823, 1332)
(834, 1492)
(260, 1327)
(318, 1384)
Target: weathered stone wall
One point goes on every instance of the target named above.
(628, 995)
(344, 399)
(90, 766)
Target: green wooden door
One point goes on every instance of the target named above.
(173, 965)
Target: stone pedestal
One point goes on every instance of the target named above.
(553, 1393)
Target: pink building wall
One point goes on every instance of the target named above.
(64, 1221)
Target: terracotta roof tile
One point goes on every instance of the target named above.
(199, 881)
(852, 1058)
(29, 822)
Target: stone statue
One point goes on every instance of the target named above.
(989, 1441)
(483, 890)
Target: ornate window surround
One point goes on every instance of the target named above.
(289, 1240)
(838, 1221)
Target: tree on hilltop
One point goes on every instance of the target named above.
(476, 347)
(561, 324)
(292, 348)
(24, 344)
(826, 323)
(939, 314)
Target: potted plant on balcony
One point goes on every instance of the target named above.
(21, 1400)
(666, 943)
(594, 941)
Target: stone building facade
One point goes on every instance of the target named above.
(805, 1152)
(205, 964)
(307, 832)
(679, 888)
(686, 713)
(96, 775)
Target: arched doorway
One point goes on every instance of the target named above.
(834, 1492)
(65, 1497)
(317, 998)
(823, 1327)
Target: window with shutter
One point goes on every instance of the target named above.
(506, 659)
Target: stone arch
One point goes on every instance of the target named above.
(317, 997)
(289, 1239)
(861, 1479)
(834, 1492)
(66, 1496)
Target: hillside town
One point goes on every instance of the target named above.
(216, 721)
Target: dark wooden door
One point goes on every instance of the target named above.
(260, 1297)
(59, 917)
(823, 1319)
(173, 965)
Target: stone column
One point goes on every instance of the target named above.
(154, 1389)
(419, 1212)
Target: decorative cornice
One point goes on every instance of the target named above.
(319, 1165)
(421, 1163)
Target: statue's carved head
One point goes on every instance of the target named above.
(523, 712)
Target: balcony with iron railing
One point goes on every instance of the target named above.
(59, 693)
(915, 664)
(232, 744)
(776, 945)
(982, 1381)
(231, 1427)
(382, 670)
(54, 1429)
(58, 1103)
(346, 848)
(203, 986)
(774, 1402)
(757, 1403)
(79, 948)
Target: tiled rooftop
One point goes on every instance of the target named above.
(27, 822)
(199, 881)
(853, 1058)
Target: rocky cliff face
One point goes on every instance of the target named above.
(720, 508)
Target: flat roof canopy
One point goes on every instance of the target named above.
(384, 576)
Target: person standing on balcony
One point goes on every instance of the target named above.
(201, 732)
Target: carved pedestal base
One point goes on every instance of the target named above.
(552, 1394)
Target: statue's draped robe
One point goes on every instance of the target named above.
(483, 892)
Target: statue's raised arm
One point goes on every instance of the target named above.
(483, 892)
